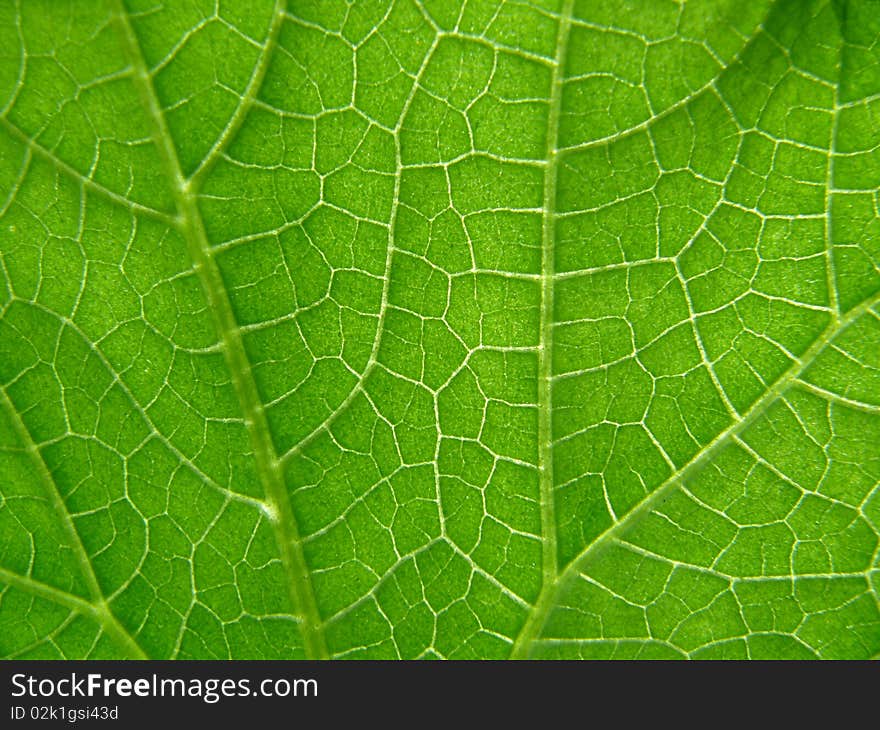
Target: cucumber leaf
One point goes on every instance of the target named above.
(442, 329)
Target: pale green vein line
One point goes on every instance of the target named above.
(16, 184)
(858, 405)
(654, 118)
(388, 576)
(268, 466)
(830, 270)
(549, 567)
(99, 606)
(247, 100)
(373, 359)
(108, 622)
(139, 409)
(89, 184)
(578, 564)
(642, 644)
(735, 580)
(55, 498)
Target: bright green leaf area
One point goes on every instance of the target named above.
(442, 329)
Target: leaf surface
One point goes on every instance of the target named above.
(443, 329)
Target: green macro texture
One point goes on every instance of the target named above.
(442, 329)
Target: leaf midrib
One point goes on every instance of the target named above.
(184, 190)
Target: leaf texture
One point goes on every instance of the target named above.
(455, 328)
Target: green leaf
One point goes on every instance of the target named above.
(446, 329)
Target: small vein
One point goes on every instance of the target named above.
(859, 405)
(789, 378)
(247, 100)
(105, 619)
(373, 359)
(99, 605)
(268, 466)
(549, 568)
(37, 149)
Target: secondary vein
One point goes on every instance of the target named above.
(269, 468)
(549, 567)
(97, 607)
(247, 99)
(790, 378)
